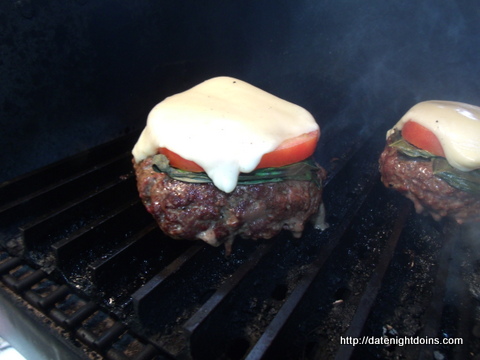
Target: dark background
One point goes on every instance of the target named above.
(77, 73)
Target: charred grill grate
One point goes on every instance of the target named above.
(78, 247)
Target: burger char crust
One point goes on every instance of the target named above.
(430, 194)
(202, 211)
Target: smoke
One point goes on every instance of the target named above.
(349, 63)
(370, 61)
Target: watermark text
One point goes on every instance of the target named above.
(398, 340)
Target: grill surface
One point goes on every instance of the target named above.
(81, 257)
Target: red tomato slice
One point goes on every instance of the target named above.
(291, 151)
(288, 152)
(422, 138)
(179, 162)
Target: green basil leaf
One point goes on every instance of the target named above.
(305, 170)
(162, 165)
(408, 149)
(468, 181)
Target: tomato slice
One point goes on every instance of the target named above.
(422, 138)
(291, 151)
(179, 162)
(288, 152)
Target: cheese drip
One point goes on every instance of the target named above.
(455, 124)
(225, 125)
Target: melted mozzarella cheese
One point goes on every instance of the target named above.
(225, 125)
(457, 127)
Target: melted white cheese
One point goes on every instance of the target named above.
(225, 125)
(457, 127)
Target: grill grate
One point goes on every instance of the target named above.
(78, 246)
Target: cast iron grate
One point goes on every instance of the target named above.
(78, 246)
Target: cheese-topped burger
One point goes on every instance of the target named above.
(433, 157)
(225, 158)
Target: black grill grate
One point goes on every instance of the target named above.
(78, 246)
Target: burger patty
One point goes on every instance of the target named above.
(415, 179)
(201, 211)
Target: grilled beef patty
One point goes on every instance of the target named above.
(201, 211)
(414, 178)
